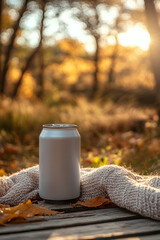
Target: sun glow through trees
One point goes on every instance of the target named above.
(135, 36)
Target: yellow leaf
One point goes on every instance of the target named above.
(108, 147)
(117, 161)
(96, 159)
(90, 155)
(2, 172)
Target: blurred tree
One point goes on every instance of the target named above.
(88, 14)
(0, 38)
(125, 18)
(154, 30)
(111, 73)
(115, 30)
(10, 48)
(93, 16)
(40, 87)
(30, 59)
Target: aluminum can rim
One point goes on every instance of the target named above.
(59, 126)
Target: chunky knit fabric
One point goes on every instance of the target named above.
(126, 189)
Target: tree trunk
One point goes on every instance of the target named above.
(111, 74)
(0, 38)
(10, 48)
(40, 89)
(40, 92)
(19, 82)
(154, 30)
(96, 70)
(29, 60)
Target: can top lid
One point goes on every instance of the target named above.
(59, 126)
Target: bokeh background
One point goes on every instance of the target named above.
(88, 62)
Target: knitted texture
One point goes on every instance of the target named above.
(128, 190)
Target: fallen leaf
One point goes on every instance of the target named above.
(2, 153)
(14, 164)
(4, 206)
(154, 146)
(12, 149)
(98, 201)
(23, 211)
(2, 172)
(4, 218)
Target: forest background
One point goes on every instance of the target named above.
(92, 63)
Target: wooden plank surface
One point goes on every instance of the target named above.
(83, 223)
(72, 219)
(150, 237)
(108, 230)
(112, 229)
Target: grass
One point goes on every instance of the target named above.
(118, 133)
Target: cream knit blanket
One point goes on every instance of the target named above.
(126, 189)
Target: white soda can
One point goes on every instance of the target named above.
(59, 162)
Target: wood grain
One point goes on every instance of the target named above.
(150, 237)
(109, 230)
(72, 219)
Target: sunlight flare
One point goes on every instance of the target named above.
(135, 36)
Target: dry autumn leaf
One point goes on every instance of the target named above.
(12, 149)
(98, 201)
(4, 218)
(4, 206)
(23, 211)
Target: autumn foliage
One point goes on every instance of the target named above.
(24, 211)
(99, 201)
